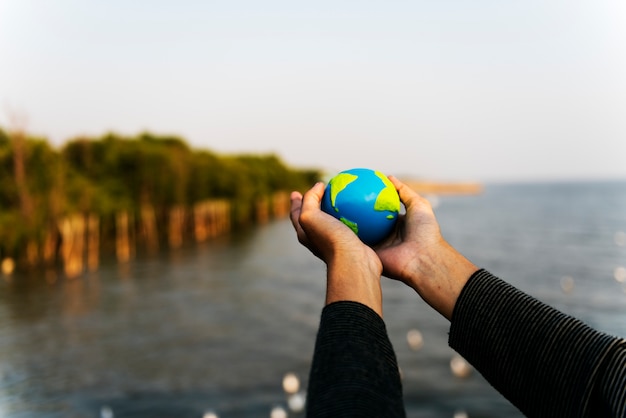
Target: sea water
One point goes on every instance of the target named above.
(212, 330)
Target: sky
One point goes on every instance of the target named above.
(451, 90)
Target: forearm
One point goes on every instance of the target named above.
(354, 370)
(545, 362)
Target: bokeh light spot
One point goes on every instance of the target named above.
(415, 339)
(460, 414)
(291, 383)
(106, 412)
(460, 367)
(296, 402)
(278, 412)
(567, 284)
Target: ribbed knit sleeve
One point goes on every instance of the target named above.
(354, 372)
(546, 363)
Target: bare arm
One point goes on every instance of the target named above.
(354, 371)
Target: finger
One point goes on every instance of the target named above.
(407, 195)
(312, 199)
(294, 215)
(296, 207)
(404, 191)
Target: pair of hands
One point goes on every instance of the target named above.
(415, 253)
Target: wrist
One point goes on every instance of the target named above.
(439, 276)
(357, 281)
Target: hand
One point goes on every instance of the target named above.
(417, 232)
(353, 268)
(322, 234)
(417, 254)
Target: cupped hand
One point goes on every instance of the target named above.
(418, 255)
(417, 234)
(324, 235)
(353, 269)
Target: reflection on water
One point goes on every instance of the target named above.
(213, 328)
(227, 329)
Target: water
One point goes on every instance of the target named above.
(215, 328)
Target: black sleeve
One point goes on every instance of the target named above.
(354, 372)
(546, 363)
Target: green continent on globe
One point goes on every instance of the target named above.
(337, 184)
(352, 225)
(387, 199)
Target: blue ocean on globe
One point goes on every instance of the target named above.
(365, 200)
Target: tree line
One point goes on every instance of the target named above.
(143, 176)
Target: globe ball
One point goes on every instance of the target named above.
(365, 200)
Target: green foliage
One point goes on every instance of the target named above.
(25, 210)
(114, 173)
(8, 188)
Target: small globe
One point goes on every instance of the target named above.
(365, 200)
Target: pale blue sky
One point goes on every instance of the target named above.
(449, 90)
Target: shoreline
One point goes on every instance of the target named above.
(444, 188)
